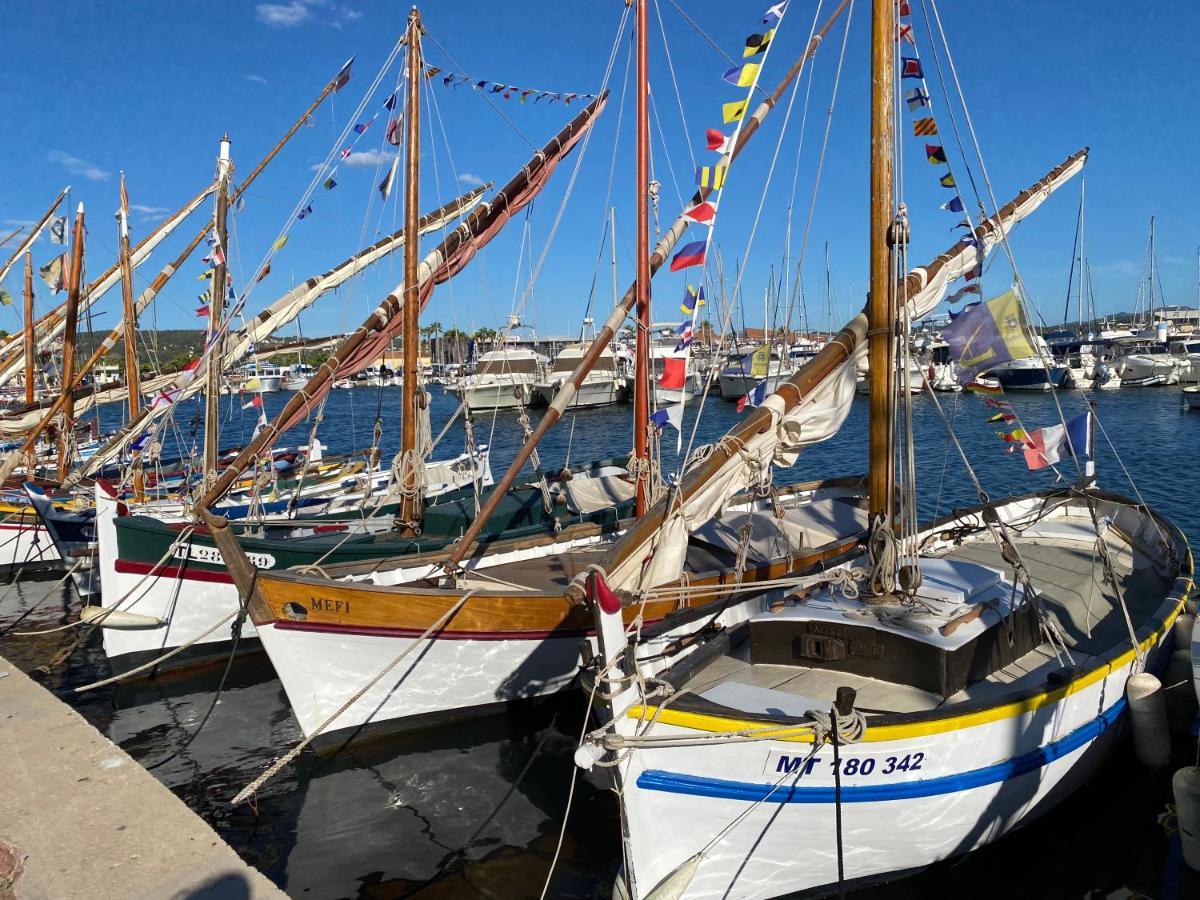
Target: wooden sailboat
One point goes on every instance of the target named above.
(149, 563)
(890, 715)
(509, 622)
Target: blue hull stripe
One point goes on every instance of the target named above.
(658, 780)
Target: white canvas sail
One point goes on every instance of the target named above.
(647, 558)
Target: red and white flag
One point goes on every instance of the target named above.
(718, 140)
(704, 211)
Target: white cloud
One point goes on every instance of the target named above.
(367, 158)
(148, 212)
(257, 79)
(77, 166)
(301, 12)
(283, 15)
(470, 178)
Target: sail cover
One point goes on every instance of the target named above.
(793, 418)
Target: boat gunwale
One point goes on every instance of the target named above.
(715, 718)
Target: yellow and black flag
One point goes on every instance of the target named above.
(925, 126)
(757, 43)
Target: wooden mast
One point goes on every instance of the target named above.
(641, 382)
(486, 220)
(30, 347)
(68, 357)
(409, 517)
(657, 259)
(132, 381)
(881, 306)
(212, 391)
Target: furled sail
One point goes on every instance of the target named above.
(277, 315)
(446, 260)
(51, 326)
(806, 409)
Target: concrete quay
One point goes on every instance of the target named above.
(80, 818)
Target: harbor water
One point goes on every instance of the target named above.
(475, 810)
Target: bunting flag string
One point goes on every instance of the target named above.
(704, 212)
(924, 124)
(506, 91)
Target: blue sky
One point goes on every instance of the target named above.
(149, 89)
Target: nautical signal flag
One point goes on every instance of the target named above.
(732, 112)
(394, 135)
(935, 153)
(253, 384)
(758, 43)
(984, 335)
(692, 298)
(947, 181)
(962, 292)
(916, 98)
(1002, 417)
(674, 374)
(717, 140)
(330, 184)
(390, 102)
(711, 176)
(755, 397)
(343, 76)
(704, 211)
(925, 127)
(280, 244)
(775, 13)
(742, 76)
(905, 34)
(363, 126)
(385, 186)
(1016, 435)
(691, 255)
(263, 274)
(202, 311)
(1048, 446)
(686, 332)
(955, 204)
(255, 402)
(911, 68)
(904, 10)
(345, 152)
(204, 276)
(671, 415)
(304, 213)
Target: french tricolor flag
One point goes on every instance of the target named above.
(755, 397)
(691, 255)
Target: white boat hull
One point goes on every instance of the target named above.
(598, 392)
(496, 395)
(190, 602)
(24, 544)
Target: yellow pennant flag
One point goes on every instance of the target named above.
(732, 112)
(280, 244)
(252, 384)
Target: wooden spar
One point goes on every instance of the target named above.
(641, 378)
(30, 349)
(408, 519)
(133, 386)
(808, 377)
(68, 357)
(491, 215)
(32, 236)
(429, 222)
(563, 398)
(881, 304)
(329, 88)
(216, 355)
(12, 234)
